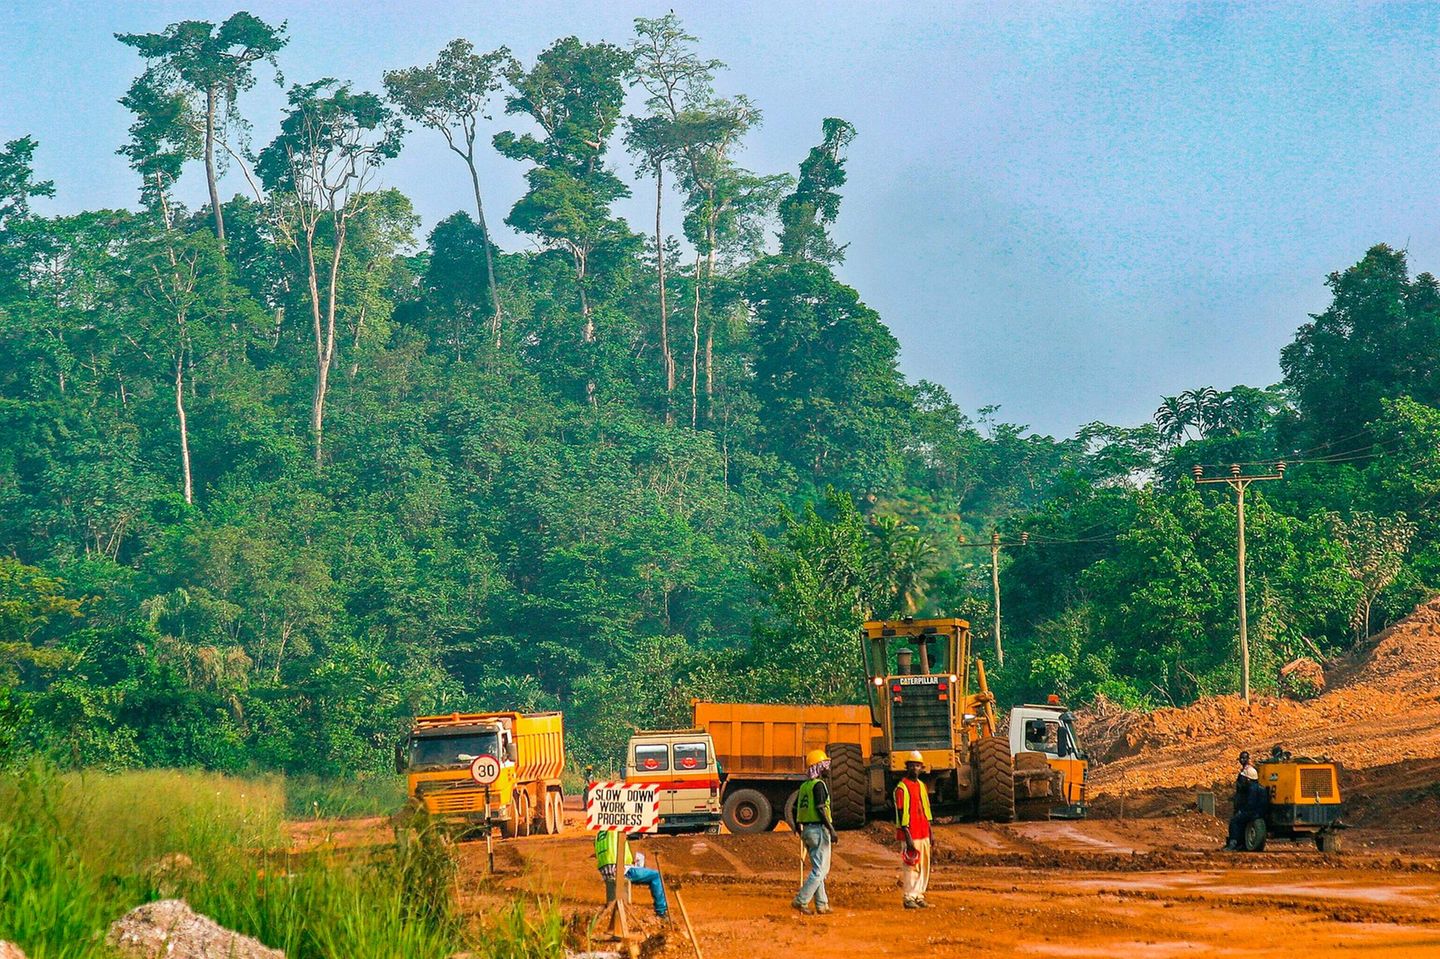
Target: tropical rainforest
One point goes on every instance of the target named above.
(279, 472)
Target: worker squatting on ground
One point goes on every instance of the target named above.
(1250, 799)
(817, 831)
(613, 847)
(912, 822)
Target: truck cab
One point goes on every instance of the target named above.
(518, 786)
(682, 766)
(1048, 731)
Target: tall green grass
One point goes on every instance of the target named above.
(78, 851)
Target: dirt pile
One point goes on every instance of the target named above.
(1381, 707)
(1302, 678)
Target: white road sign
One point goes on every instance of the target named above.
(628, 807)
(484, 769)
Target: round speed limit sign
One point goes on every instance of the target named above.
(484, 769)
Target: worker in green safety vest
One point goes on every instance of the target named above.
(817, 831)
(612, 848)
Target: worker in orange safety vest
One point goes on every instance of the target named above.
(912, 827)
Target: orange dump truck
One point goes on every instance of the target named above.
(487, 769)
(762, 750)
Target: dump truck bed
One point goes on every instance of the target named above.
(756, 741)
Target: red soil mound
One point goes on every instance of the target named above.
(1382, 707)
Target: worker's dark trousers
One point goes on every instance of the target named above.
(1238, 822)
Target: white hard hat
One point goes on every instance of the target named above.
(1250, 773)
(915, 757)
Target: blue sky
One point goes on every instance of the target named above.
(1066, 209)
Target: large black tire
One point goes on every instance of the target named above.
(788, 811)
(995, 773)
(848, 785)
(747, 811)
(1254, 840)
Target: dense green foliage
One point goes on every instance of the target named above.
(266, 494)
(79, 851)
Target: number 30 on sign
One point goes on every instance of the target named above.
(484, 769)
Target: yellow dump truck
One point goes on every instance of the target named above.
(761, 751)
(487, 769)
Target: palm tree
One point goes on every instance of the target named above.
(1173, 418)
(1202, 404)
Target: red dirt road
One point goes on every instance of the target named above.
(1135, 888)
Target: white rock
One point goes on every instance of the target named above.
(170, 929)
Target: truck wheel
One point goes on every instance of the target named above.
(788, 811)
(995, 800)
(847, 785)
(546, 820)
(523, 814)
(747, 811)
(1255, 835)
(557, 801)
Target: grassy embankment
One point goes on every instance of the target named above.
(78, 851)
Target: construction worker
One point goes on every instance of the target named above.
(1249, 805)
(817, 831)
(612, 847)
(912, 826)
(1240, 777)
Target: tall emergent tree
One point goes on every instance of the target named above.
(1375, 341)
(806, 214)
(17, 186)
(196, 71)
(574, 92)
(675, 78)
(319, 170)
(452, 95)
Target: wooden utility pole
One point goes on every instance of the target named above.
(994, 547)
(1239, 483)
(995, 587)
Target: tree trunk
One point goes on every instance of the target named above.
(184, 429)
(355, 344)
(667, 360)
(322, 358)
(322, 381)
(587, 333)
(710, 320)
(485, 241)
(210, 164)
(695, 351)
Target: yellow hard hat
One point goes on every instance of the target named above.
(915, 757)
(815, 756)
